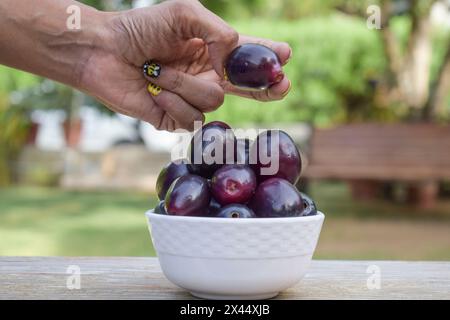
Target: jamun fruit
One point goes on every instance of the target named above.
(188, 196)
(309, 205)
(169, 174)
(274, 154)
(211, 147)
(253, 66)
(277, 198)
(160, 208)
(214, 207)
(235, 211)
(242, 150)
(233, 183)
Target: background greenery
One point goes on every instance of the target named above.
(337, 62)
(43, 221)
(337, 66)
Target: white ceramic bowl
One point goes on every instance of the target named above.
(220, 258)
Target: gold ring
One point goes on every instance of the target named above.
(153, 89)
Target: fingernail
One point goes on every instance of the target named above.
(153, 89)
(288, 89)
(289, 57)
(151, 69)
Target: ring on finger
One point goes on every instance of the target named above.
(151, 69)
(153, 89)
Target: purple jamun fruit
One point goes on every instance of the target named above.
(233, 183)
(309, 205)
(211, 147)
(169, 174)
(160, 208)
(253, 66)
(274, 154)
(242, 150)
(188, 196)
(214, 207)
(235, 211)
(276, 198)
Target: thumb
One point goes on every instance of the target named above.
(199, 22)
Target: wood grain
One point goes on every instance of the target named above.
(141, 278)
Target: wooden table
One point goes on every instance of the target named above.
(141, 278)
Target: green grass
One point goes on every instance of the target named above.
(36, 221)
(40, 221)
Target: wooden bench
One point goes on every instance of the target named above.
(142, 278)
(368, 154)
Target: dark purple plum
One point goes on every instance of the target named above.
(233, 183)
(235, 211)
(309, 205)
(276, 198)
(214, 207)
(220, 124)
(253, 66)
(160, 208)
(214, 137)
(169, 174)
(242, 150)
(274, 147)
(188, 196)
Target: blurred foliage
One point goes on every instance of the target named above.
(50, 95)
(40, 175)
(57, 222)
(14, 123)
(336, 65)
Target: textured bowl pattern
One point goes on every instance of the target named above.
(246, 239)
(225, 258)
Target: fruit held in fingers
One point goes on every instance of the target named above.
(253, 66)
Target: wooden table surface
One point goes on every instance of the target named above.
(141, 278)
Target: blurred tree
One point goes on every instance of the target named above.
(408, 79)
(14, 127)
(14, 122)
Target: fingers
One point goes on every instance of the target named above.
(276, 92)
(204, 95)
(198, 22)
(178, 109)
(282, 49)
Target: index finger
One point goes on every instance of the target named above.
(282, 49)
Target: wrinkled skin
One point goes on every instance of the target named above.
(190, 43)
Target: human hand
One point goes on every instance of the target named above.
(189, 43)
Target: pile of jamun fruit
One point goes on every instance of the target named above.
(235, 185)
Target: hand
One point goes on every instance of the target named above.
(189, 43)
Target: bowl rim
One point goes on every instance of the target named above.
(150, 214)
